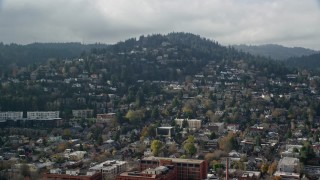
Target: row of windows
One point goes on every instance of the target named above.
(11, 115)
(188, 165)
(145, 162)
(148, 162)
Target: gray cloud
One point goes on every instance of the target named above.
(286, 22)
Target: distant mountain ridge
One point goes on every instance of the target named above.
(174, 48)
(40, 52)
(275, 51)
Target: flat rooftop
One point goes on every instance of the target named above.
(289, 161)
(108, 165)
(175, 160)
(165, 127)
(138, 174)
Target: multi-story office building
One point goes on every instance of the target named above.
(42, 115)
(34, 119)
(11, 115)
(186, 168)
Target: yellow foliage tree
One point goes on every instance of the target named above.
(278, 178)
(272, 168)
(156, 147)
(228, 142)
(189, 146)
(133, 116)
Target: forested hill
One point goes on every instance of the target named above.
(309, 62)
(123, 67)
(186, 43)
(24, 55)
(274, 51)
(182, 47)
(169, 57)
(151, 57)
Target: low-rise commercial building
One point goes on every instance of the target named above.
(112, 167)
(191, 123)
(164, 131)
(167, 172)
(83, 113)
(106, 117)
(288, 167)
(74, 174)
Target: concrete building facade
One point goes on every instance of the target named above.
(192, 123)
(111, 167)
(42, 115)
(11, 115)
(83, 113)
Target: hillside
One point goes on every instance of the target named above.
(152, 57)
(171, 57)
(309, 62)
(148, 62)
(274, 51)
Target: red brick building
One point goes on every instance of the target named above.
(185, 168)
(107, 116)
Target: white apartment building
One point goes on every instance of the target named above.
(192, 123)
(111, 167)
(43, 114)
(11, 115)
(83, 113)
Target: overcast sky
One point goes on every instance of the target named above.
(285, 22)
